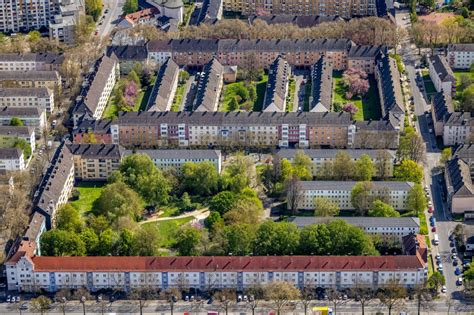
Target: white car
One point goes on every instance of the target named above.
(444, 289)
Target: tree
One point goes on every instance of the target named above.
(383, 164)
(411, 146)
(409, 171)
(130, 6)
(233, 104)
(280, 293)
(143, 295)
(325, 207)
(213, 220)
(416, 200)
(274, 238)
(199, 178)
(364, 293)
(423, 298)
(240, 173)
(343, 166)
(350, 108)
(23, 145)
(225, 298)
(62, 243)
(364, 168)
(362, 197)
(381, 209)
(68, 218)
(239, 239)
(94, 8)
(244, 211)
(223, 202)
(187, 241)
(294, 193)
(356, 82)
(41, 304)
(91, 241)
(392, 295)
(436, 281)
(186, 203)
(467, 103)
(116, 201)
(315, 239)
(302, 165)
(15, 121)
(325, 171)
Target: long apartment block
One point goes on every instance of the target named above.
(28, 97)
(186, 129)
(339, 192)
(27, 272)
(30, 79)
(30, 116)
(164, 90)
(9, 134)
(277, 86)
(345, 9)
(320, 99)
(209, 87)
(341, 53)
(31, 61)
(21, 16)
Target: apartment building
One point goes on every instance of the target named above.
(164, 90)
(164, 129)
(339, 192)
(31, 61)
(321, 156)
(56, 185)
(210, 12)
(442, 108)
(96, 90)
(27, 272)
(28, 97)
(345, 9)
(320, 99)
(393, 228)
(302, 21)
(12, 159)
(35, 229)
(30, 116)
(459, 186)
(95, 161)
(390, 91)
(466, 153)
(146, 16)
(209, 87)
(63, 24)
(441, 74)
(98, 130)
(9, 134)
(30, 79)
(175, 159)
(365, 57)
(276, 90)
(22, 16)
(159, 51)
(377, 134)
(460, 56)
(458, 128)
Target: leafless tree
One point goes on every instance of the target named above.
(306, 297)
(281, 293)
(392, 295)
(225, 298)
(294, 193)
(382, 164)
(143, 296)
(363, 293)
(335, 297)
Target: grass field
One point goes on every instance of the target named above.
(291, 95)
(111, 111)
(89, 192)
(229, 93)
(369, 106)
(178, 98)
(261, 85)
(459, 74)
(168, 229)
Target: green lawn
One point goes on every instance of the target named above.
(460, 73)
(168, 229)
(307, 94)
(261, 85)
(423, 224)
(369, 105)
(89, 192)
(291, 95)
(178, 98)
(111, 111)
(230, 92)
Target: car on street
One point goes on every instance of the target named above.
(438, 257)
(451, 237)
(455, 262)
(433, 229)
(430, 210)
(433, 222)
(24, 306)
(453, 250)
(459, 281)
(9, 298)
(457, 271)
(444, 289)
(451, 244)
(454, 257)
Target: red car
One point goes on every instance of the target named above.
(430, 210)
(433, 229)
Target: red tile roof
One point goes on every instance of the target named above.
(27, 249)
(225, 263)
(133, 18)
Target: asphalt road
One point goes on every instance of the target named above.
(111, 19)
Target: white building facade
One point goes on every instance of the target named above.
(461, 56)
(28, 97)
(12, 159)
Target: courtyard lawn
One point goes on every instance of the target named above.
(89, 193)
(460, 73)
(167, 229)
(230, 92)
(369, 105)
(291, 95)
(178, 98)
(261, 85)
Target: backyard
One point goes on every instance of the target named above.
(232, 91)
(458, 74)
(111, 111)
(369, 105)
(167, 229)
(291, 95)
(429, 86)
(89, 192)
(261, 85)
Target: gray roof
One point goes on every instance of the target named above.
(159, 45)
(207, 95)
(14, 92)
(362, 222)
(101, 126)
(459, 119)
(300, 21)
(465, 152)
(96, 151)
(277, 85)
(365, 51)
(375, 125)
(233, 118)
(48, 57)
(35, 226)
(460, 177)
(461, 47)
(442, 68)
(128, 52)
(321, 86)
(161, 92)
(347, 185)
(172, 4)
(177, 154)
(29, 75)
(442, 105)
(331, 153)
(283, 45)
(10, 153)
(10, 111)
(391, 89)
(16, 131)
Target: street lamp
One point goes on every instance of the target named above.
(83, 302)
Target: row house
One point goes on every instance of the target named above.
(461, 56)
(167, 129)
(380, 158)
(95, 161)
(164, 89)
(92, 131)
(441, 109)
(386, 228)
(460, 187)
(27, 272)
(28, 97)
(31, 61)
(320, 99)
(96, 89)
(30, 79)
(209, 87)
(364, 57)
(339, 192)
(441, 74)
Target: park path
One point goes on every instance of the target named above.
(200, 214)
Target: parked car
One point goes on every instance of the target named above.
(438, 257)
(459, 281)
(430, 210)
(451, 244)
(454, 256)
(457, 271)
(433, 229)
(24, 306)
(455, 262)
(9, 299)
(444, 289)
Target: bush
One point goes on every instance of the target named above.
(76, 194)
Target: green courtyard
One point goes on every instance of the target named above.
(368, 105)
(89, 192)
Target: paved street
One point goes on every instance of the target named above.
(112, 18)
